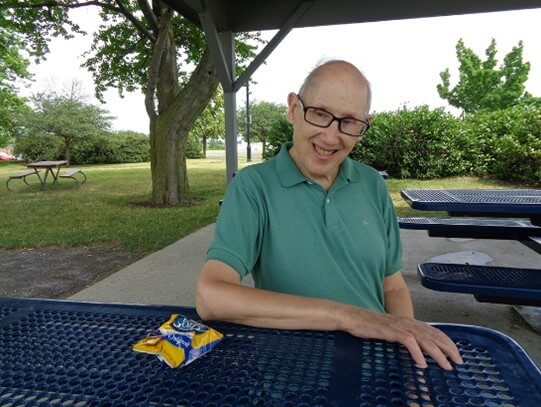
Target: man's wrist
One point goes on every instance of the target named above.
(347, 316)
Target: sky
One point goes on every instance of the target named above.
(402, 60)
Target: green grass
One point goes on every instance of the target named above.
(106, 208)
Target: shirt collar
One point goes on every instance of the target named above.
(289, 174)
(286, 169)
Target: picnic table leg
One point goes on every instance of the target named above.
(55, 175)
(41, 180)
(44, 182)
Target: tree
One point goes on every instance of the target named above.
(69, 119)
(210, 124)
(280, 132)
(139, 45)
(482, 85)
(264, 115)
(13, 66)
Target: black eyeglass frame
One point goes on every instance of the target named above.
(338, 119)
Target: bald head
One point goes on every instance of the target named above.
(338, 69)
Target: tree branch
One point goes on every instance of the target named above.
(149, 14)
(138, 25)
(157, 54)
(106, 5)
(53, 3)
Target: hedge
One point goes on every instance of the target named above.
(431, 143)
(103, 149)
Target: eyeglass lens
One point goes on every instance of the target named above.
(322, 118)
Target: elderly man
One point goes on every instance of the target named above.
(317, 231)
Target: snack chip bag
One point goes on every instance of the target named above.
(179, 341)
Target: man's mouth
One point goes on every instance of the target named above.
(323, 152)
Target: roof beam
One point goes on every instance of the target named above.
(273, 43)
(225, 75)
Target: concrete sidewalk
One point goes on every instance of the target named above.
(169, 276)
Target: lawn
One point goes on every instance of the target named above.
(107, 207)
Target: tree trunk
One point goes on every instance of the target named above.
(67, 150)
(170, 125)
(263, 147)
(204, 146)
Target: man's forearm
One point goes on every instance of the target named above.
(251, 306)
(398, 302)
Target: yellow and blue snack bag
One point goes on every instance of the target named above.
(179, 341)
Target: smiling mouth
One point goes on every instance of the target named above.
(323, 152)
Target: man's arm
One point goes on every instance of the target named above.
(221, 296)
(397, 296)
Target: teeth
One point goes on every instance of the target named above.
(322, 151)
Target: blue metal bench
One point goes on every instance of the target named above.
(508, 229)
(507, 285)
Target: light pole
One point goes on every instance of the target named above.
(248, 123)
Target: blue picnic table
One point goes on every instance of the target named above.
(75, 353)
(511, 285)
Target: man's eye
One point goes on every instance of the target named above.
(321, 113)
(349, 122)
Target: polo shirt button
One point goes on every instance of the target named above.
(328, 200)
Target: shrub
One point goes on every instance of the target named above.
(38, 148)
(194, 148)
(97, 149)
(418, 143)
(280, 132)
(507, 143)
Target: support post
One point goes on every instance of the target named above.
(230, 106)
(248, 123)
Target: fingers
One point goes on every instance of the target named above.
(418, 337)
(436, 344)
(447, 346)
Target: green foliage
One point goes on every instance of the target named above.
(280, 132)
(506, 143)
(13, 67)
(102, 148)
(482, 85)
(38, 148)
(71, 120)
(112, 149)
(209, 126)
(193, 149)
(264, 115)
(418, 143)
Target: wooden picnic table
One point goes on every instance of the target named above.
(52, 167)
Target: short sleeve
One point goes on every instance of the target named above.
(237, 237)
(394, 260)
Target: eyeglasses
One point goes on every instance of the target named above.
(321, 118)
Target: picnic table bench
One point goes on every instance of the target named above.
(72, 172)
(20, 175)
(507, 285)
(507, 229)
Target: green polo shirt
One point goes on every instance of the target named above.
(295, 237)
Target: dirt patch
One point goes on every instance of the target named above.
(58, 272)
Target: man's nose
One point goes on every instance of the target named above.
(333, 131)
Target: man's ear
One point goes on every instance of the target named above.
(292, 103)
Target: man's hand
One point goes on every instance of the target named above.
(416, 336)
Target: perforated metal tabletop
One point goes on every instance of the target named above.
(500, 202)
(79, 354)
